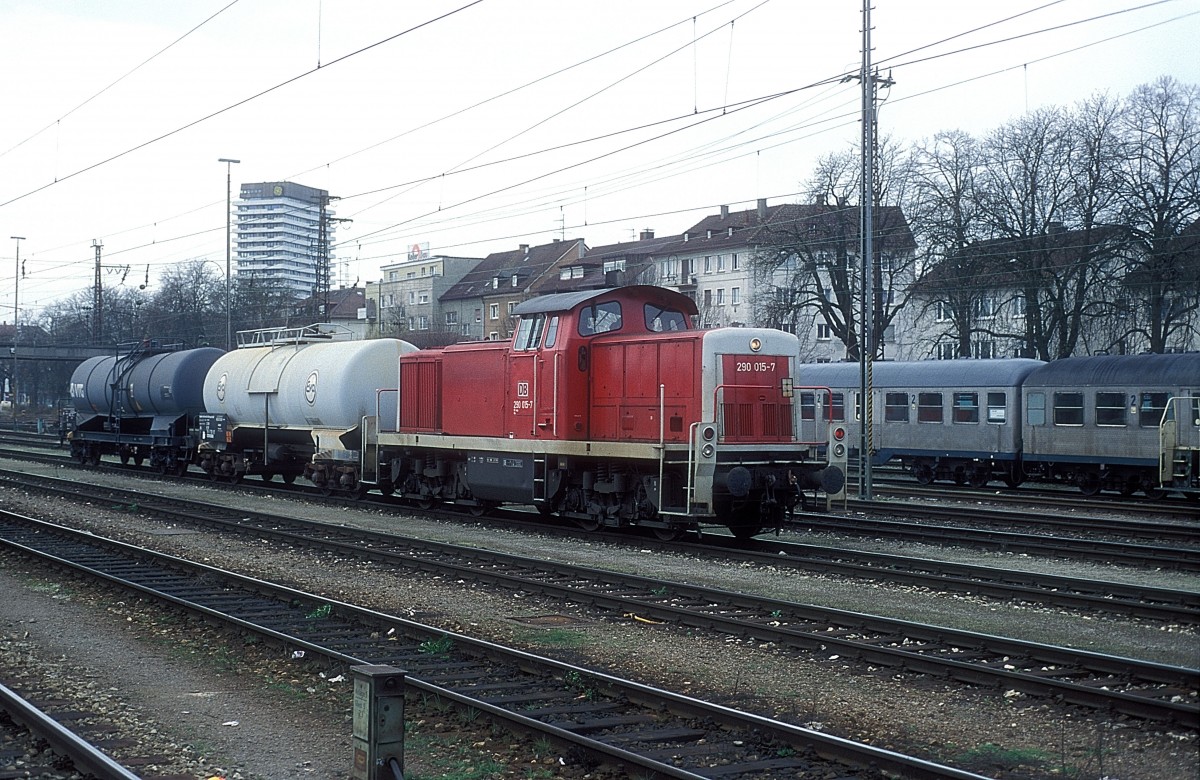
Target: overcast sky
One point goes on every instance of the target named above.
(478, 126)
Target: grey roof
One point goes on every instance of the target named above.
(1007, 372)
(544, 304)
(1181, 371)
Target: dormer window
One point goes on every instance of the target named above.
(514, 280)
(495, 282)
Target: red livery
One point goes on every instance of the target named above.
(607, 408)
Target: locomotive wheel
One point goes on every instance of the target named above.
(923, 473)
(1089, 483)
(589, 523)
(359, 491)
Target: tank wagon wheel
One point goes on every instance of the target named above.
(1089, 483)
(670, 534)
(478, 510)
(923, 473)
(267, 476)
(288, 479)
(235, 478)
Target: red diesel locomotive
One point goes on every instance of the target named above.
(608, 408)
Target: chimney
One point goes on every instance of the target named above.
(646, 234)
(762, 209)
(524, 248)
(724, 212)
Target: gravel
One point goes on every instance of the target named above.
(190, 684)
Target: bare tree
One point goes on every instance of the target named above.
(1160, 201)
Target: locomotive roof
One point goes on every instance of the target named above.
(1179, 370)
(922, 373)
(559, 302)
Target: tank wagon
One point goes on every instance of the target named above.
(607, 408)
(1125, 423)
(281, 403)
(140, 405)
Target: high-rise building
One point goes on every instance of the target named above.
(284, 235)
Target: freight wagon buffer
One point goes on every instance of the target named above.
(609, 408)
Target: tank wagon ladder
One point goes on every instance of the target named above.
(1179, 438)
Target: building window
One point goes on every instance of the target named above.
(412, 297)
(720, 264)
(943, 311)
(511, 305)
(479, 315)
(423, 322)
(824, 332)
(984, 308)
(614, 265)
(720, 296)
(733, 261)
(424, 298)
(947, 351)
(1019, 306)
(451, 318)
(708, 264)
(494, 311)
(735, 296)
(984, 350)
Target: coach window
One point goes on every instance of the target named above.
(601, 318)
(837, 407)
(997, 411)
(1035, 411)
(808, 406)
(929, 407)
(1110, 409)
(1068, 408)
(1151, 411)
(966, 407)
(895, 407)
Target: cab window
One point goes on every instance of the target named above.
(529, 332)
(600, 318)
(660, 320)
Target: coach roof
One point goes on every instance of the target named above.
(1179, 370)
(923, 373)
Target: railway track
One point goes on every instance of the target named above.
(1142, 601)
(649, 731)
(34, 742)
(1139, 689)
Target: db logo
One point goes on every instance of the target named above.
(522, 389)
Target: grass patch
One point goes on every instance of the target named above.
(989, 756)
(554, 637)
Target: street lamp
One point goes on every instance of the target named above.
(228, 250)
(16, 327)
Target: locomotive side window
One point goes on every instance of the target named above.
(997, 410)
(895, 407)
(1036, 413)
(1151, 411)
(602, 318)
(529, 332)
(1110, 409)
(966, 407)
(1068, 408)
(662, 320)
(929, 407)
(552, 332)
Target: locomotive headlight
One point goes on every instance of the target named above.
(707, 450)
(755, 344)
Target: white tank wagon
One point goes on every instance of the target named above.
(140, 404)
(282, 406)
